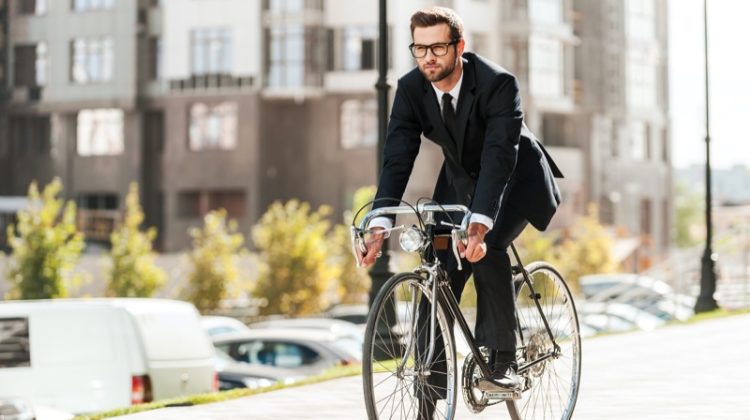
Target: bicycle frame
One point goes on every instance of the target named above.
(439, 284)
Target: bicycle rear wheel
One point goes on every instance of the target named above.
(394, 372)
(552, 376)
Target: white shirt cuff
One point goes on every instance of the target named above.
(480, 218)
(384, 222)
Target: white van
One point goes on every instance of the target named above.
(89, 355)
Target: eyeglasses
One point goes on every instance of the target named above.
(438, 49)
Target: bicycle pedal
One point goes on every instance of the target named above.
(503, 395)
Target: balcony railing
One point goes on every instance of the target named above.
(26, 94)
(98, 225)
(211, 81)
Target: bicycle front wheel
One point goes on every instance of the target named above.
(399, 378)
(551, 368)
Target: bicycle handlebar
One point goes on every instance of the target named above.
(458, 233)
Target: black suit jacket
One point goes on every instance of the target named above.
(493, 153)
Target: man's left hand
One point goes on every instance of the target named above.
(475, 249)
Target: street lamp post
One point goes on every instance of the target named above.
(380, 272)
(706, 301)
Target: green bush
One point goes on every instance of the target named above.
(583, 248)
(133, 273)
(354, 282)
(45, 243)
(295, 274)
(214, 260)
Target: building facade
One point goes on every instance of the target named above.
(236, 104)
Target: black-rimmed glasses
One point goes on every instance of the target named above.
(438, 49)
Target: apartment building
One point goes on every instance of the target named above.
(236, 103)
(622, 69)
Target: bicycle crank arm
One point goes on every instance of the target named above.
(503, 395)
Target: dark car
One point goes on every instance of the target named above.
(233, 374)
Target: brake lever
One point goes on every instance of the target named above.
(456, 236)
(359, 247)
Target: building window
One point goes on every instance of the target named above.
(194, 204)
(639, 141)
(93, 60)
(641, 70)
(287, 56)
(213, 126)
(546, 66)
(87, 5)
(30, 136)
(359, 123)
(98, 201)
(100, 132)
(211, 50)
(32, 7)
(548, 11)
(354, 49)
(645, 216)
(156, 57)
(641, 19)
(15, 349)
(41, 64)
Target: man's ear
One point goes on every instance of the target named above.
(460, 45)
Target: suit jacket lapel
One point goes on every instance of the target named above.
(465, 104)
(439, 133)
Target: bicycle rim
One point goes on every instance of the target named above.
(550, 386)
(394, 374)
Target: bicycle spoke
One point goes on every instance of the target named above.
(393, 387)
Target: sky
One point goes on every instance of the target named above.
(729, 82)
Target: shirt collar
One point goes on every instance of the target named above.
(453, 92)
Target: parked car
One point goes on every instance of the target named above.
(354, 313)
(233, 374)
(306, 352)
(648, 294)
(215, 325)
(13, 408)
(629, 314)
(90, 355)
(350, 337)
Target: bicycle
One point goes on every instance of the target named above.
(396, 373)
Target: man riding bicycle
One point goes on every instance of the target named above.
(471, 108)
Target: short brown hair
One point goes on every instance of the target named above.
(436, 15)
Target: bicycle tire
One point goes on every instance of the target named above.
(391, 390)
(550, 387)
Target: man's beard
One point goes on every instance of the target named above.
(439, 76)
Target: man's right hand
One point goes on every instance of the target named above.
(373, 246)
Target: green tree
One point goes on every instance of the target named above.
(354, 282)
(295, 275)
(133, 273)
(45, 243)
(689, 207)
(586, 248)
(213, 257)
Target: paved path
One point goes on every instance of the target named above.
(697, 371)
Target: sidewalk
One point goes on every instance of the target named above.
(697, 371)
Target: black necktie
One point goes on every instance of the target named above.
(449, 115)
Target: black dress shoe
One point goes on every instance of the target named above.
(507, 380)
(504, 376)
